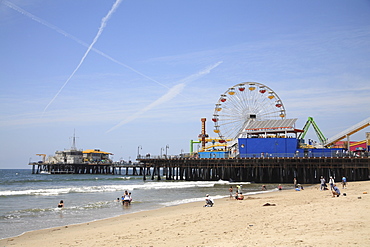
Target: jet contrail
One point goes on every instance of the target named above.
(68, 35)
(101, 28)
(174, 91)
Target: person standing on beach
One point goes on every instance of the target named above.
(239, 187)
(295, 182)
(322, 183)
(331, 183)
(344, 182)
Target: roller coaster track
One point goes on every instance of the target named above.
(350, 131)
(357, 143)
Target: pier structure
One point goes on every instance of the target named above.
(88, 168)
(307, 170)
(261, 170)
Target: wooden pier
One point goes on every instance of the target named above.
(87, 168)
(261, 170)
(307, 170)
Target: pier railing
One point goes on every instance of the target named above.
(309, 154)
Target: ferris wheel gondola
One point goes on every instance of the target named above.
(242, 104)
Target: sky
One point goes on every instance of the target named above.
(131, 77)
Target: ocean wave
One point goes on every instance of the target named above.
(198, 199)
(52, 179)
(36, 212)
(110, 188)
(188, 200)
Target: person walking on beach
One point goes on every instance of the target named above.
(331, 183)
(231, 191)
(322, 183)
(344, 182)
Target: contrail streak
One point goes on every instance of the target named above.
(68, 35)
(173, 92)
(101, 28)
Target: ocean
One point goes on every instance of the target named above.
(29, 201)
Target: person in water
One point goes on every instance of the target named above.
(126, 199)
(61, 204)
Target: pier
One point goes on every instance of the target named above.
(307, 170)
(88, 168)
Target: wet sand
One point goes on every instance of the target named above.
(299, 218)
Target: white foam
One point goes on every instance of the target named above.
(112, 188)
(188, 200)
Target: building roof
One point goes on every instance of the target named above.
(95, 151)
(272, 126)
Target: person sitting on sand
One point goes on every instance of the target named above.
(61, 204)
(280, 187)
(263, 187)
(236, 195)
(335, 191)
(209, 201)
(240, 196)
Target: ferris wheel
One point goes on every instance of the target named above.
(242, 104)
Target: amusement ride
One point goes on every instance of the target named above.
(254, 110)
(236, 109)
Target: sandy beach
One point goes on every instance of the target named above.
(299, 218)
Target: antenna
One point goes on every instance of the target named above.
(74, 140)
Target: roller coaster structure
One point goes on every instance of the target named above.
(348, 132)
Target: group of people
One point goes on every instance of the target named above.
(238, 194)
(333, 187)
(126, 198)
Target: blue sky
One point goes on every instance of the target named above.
(157, 67)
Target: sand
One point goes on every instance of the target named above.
(299, 218)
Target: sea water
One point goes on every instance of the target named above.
(29, 201)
